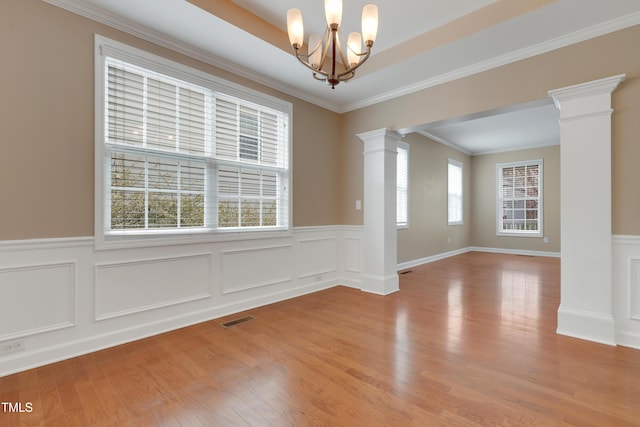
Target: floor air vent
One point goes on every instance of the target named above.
(237, 321)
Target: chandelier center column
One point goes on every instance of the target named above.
(380, 232)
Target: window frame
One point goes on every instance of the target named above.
(540, 199)
(455, 163)
(402, 225)
(104, 239)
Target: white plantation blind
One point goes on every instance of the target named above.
(181, 156)
(454, 192)
(402, 180)
(519, 198)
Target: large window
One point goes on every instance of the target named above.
(454, 192)
(402, 182)
(519, 196)
(183, 153)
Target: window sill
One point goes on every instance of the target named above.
(520, 234)
(125, 240)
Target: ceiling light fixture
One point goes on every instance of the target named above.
(338, 68)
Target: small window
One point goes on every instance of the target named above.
(402, 180)
(454, 192)
(519, 197)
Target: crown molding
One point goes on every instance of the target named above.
(96, 14)
(445, 142)
(508, 58)
(99, 15)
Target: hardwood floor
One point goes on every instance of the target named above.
(467, 341)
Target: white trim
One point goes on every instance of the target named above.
(622, 239)
(521, 233)
(401, 145)
(91, 12)
(459, 164)
(72, 267)
(97, 267)
(96, 14)
(325, 248)
(586, 326)
(501, 60)
(66, 350)
(104, 47)
(437, 257)
(429, 259)
(426, 134)
(514, 251)
(53, 243)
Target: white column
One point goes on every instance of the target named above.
(585, 199)
(379, 275)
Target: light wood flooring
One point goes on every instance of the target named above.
(468, 341)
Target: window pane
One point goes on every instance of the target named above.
(192, 176)
(125, 98)
(163, 210)
(192, 210)
(269, 184)
(162, 173)
(519, 194)
(161, 115)
(127, 209)
(127, 170)
(402, 185)
(228, 213)
(269, 213)
(454, 185)
(191, 121)
(250, 214)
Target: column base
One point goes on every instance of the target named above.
(380, 285)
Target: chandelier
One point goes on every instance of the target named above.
(325, 54)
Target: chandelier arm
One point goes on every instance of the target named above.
(309, 66)
(352, 70)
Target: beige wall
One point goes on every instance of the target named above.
(47, 122)
(428, 233)
(520, 82)
(483, 200)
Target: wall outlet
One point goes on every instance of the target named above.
(545, 240)
(11, 347)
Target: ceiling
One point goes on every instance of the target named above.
(420, 43)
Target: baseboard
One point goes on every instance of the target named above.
(514, 251)
(426, 260)
(585, 325)
(437, 257)
(628, 339)
(32, 359)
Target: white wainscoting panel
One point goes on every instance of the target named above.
(626, 289)
(352, 254)
(634, 285)
(255, 267)
(124, 294)
(317, 256)
(123, 288)
(36, 298)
